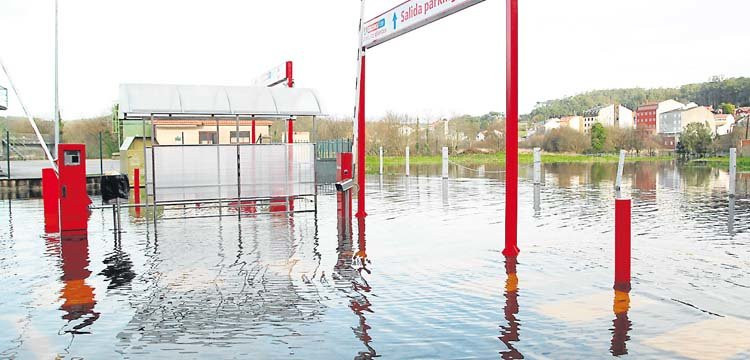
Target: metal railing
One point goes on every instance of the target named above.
(3, 98)
(327, 149)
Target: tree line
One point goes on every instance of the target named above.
(695, 141)
(716, 92)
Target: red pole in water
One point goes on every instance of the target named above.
(137, 185)
(290, 122)
(622, 245)
(511, 130)
(361, 140)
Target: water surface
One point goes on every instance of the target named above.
(422, 277)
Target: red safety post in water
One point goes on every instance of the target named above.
(137, 185)
(622, 245)
(361, 140)
(511, 130)
(290, 83)
(51, 198)
(137, 190)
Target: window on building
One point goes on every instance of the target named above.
(244, 137)
(208, 137)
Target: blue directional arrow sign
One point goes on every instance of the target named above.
(408, 16)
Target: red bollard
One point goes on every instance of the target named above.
(137, 185)
(137, 191)
(622, 245)
(51, 196)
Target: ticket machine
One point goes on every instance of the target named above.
(69, 204)
(343, 177)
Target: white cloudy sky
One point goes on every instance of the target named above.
(453, 66)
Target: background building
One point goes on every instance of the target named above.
(723, 123)
(613, 115)
(673, 123)
(573, 122)
(647, 116)
(206, 131)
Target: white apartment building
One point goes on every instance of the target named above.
(608, 115)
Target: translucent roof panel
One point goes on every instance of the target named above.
(146, 99)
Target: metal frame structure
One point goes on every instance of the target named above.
(380, 24)
(152, 200)
(141, 106)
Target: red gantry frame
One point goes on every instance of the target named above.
(414, 15)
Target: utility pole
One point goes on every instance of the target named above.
(57, 105)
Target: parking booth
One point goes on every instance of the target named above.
(200, 150)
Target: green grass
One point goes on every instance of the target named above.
(743, 163)
(499, 158)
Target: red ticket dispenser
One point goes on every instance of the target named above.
(74, 201)
(344, 172)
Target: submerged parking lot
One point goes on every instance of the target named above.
(421, 277)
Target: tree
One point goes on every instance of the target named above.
(727, 108)
(680, 150)
(697, 139)
(564, 140)
(598, 137)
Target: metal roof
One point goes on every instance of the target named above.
(147, 99)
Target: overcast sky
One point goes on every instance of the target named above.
(453, 66)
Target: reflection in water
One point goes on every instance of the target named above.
(349, 270)
(537, 199)
(119, 267)
(78, 296)
(621, 324)
(509, 333)
(730, 220)
(360, 303)
(445, 192)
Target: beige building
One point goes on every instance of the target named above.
(299, 136)
(673, 123)
(573, 122)
(204, 131)
(723, 123)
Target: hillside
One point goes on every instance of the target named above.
(733, 90)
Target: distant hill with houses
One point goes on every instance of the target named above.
(712, 93)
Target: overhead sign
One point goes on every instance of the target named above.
(272, 77)
(409, 16)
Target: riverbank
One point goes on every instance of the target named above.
(499, 158)
(743, 163)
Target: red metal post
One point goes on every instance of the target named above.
(137, 190)
(361, 140)
(51, 197)
(622, 245)
(511, 130)
(137, 185)
(252, 127)
(290, 83)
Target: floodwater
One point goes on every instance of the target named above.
(422, 277)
